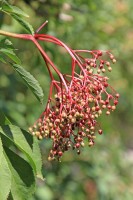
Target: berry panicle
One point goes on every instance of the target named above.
(76, 101)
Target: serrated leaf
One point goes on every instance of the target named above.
(13, 9)
(30, 81)
(5, 178)
(22, 176)
(24, 23)
(11, 55)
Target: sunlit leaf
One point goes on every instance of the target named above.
(5, 176)
(1, 150)
(37, 157)
(13, 135)
(22, 176)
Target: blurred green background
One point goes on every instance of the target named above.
(104, 172)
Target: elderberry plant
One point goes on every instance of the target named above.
(76, 100)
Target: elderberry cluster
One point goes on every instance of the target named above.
(70, 117)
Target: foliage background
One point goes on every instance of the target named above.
(103, 172)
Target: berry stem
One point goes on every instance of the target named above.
(46, 57)
(41, 26)
(52, 39)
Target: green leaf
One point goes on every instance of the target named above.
(6, 44)
(3, 119)
(36, 154)
(13, 135)
(13, 10)
(37, 158)
(24, 23)
(5, 178)
(30, 81)
(10, 197)
(11, 55)
(22, 176)
(1, 2)
(7, 49)
(1, 150)
(2, 59)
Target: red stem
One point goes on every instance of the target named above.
(52, 39)
(41, 26)
(51, 75)
(50, 62)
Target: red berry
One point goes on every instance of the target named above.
(60, 153)
(107, 102)
(111, 57)
(99, 53)
(97, 108)
(115, 102)
(77, 145)
(109, 106)
(100, 131)
(105, 84)
(117, 95)
(101, 66)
